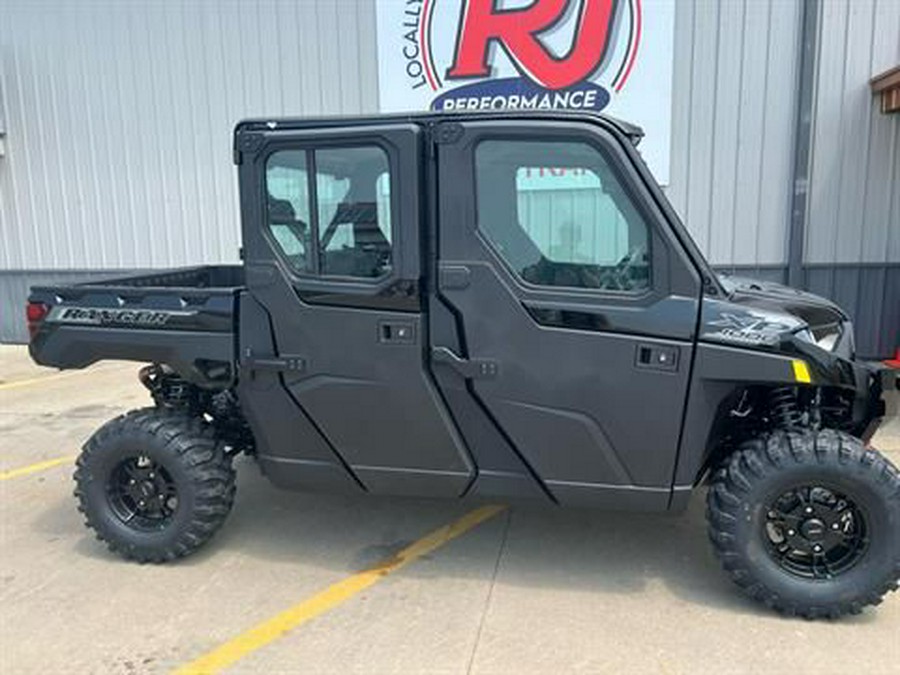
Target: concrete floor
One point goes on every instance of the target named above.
(533, 590)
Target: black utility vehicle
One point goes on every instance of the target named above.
(473, 306)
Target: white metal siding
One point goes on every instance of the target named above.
(734, 97)
(119, 118)
(855, 180)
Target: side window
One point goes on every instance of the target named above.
(287, 206)
(351, 206)
(557, 214)
(353, 241)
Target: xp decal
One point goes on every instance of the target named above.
(541, 55)
(747, 329)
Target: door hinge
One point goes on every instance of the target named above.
(448, 132)
(246, 141)
(285, 362)
(471, 369)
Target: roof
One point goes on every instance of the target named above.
(634, 132)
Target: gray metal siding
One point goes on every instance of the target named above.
(732, 127)
(854, 201)
(871, 295)
(119, 118)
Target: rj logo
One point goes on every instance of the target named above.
(518, 32)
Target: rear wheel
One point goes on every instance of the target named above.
(154, 484)
(808, 522)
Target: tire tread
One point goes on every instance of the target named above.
(769, 454)
(193, 443)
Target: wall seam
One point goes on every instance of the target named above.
(738, 132)
(841, 148)
(712, 146)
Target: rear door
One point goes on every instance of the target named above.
(574, 306)
(331, 219)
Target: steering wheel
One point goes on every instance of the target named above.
(620, 277)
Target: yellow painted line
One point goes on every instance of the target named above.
(270, 630)
(801, 371)
(37, 380)
(34, 468)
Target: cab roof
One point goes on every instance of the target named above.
(632, 131)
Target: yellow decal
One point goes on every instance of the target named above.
(801, 371)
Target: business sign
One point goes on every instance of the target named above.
(457, 55)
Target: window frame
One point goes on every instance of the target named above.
(309, 145)
(657, 262)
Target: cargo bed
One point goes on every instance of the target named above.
(185, 317)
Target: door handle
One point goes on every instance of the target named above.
(656, 357)
(470, 369)
(396, 332)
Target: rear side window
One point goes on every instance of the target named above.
(288, 206)
(558, 215)
(341, 225)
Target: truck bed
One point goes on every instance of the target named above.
(183, 317)
(211, 277)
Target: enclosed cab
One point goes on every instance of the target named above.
(486, 306)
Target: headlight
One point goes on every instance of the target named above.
(825, 337)
(805, 335)
(828, 342)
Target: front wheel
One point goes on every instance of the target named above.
(154, 484)
(808, 522)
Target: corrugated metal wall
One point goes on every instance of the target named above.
(119, 117)
(734, 91)
(852, 249)
(855, 177)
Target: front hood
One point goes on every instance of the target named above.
(765, 314)
(814, 309)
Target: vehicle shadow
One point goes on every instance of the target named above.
(543, 546)
(571, 550)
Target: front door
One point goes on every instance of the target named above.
(334, 352)
(574, 306)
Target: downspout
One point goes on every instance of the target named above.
(808, 52)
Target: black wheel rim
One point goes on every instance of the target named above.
(142, 494)
(815, 532)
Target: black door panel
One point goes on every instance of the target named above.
(574, 402)
(291, 450)
(593, 420)
(363, 386)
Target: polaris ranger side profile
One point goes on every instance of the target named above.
(485, 305)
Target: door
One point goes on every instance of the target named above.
(575, 307)
(331, 220)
